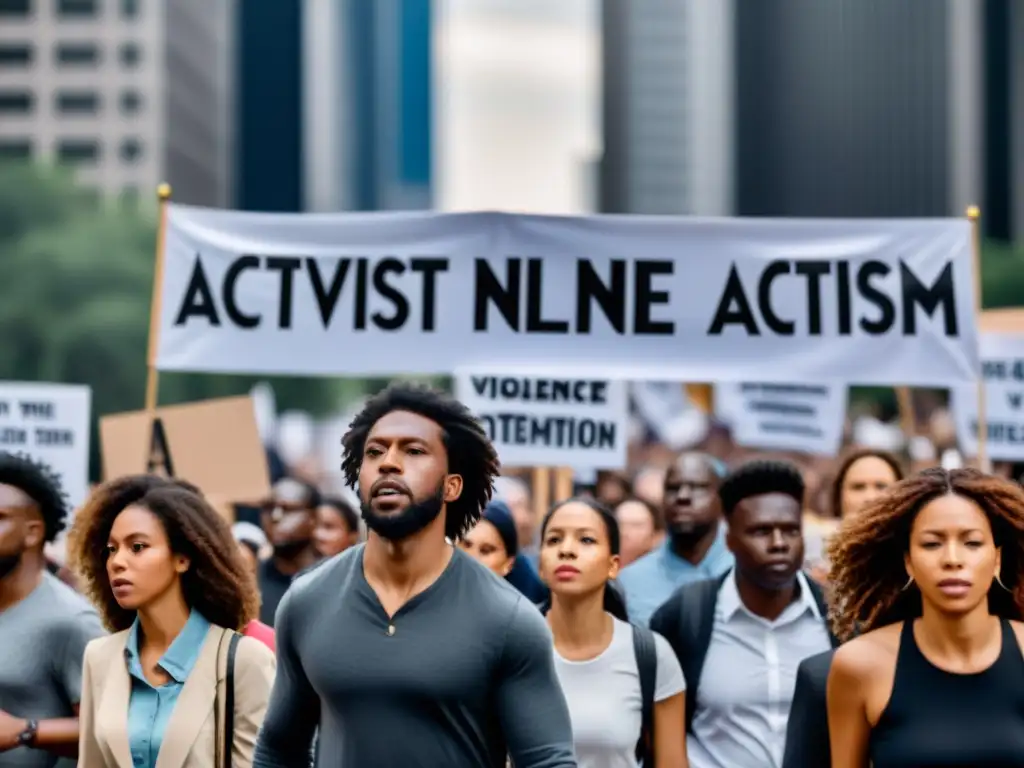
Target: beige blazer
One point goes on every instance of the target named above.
(194, 730)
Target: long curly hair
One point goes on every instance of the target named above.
(217, 583)
(867, 552)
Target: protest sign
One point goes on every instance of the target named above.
(50, 423)
(784, 417)
(213, 444)
(1002, 364)
(666, 299)
(545, 421)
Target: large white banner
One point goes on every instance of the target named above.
(784, 417)
(1002, 361)
(650, 298)
(50, 423)
(549, 420)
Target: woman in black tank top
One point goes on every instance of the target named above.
(930, 578)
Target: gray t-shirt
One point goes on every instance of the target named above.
(462, 672)
(604, 698)
(42, 643)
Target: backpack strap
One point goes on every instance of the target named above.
(697, 623)
(646, 654)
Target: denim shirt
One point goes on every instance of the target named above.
(652, 579)
(150, 708)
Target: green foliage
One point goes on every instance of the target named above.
(75, 287)
(1002, 275)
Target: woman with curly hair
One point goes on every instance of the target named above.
(161, 567)
(930, 578)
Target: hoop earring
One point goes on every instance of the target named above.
(999, 581)
(907, 585)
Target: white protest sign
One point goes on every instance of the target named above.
(50, 423)
(1002, 362)
(784, 417)
(651, 298)
(546, 421)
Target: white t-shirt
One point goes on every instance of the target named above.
(603, 694)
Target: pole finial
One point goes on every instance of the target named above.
(163, 191)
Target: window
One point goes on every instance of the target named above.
(78, 151)
(77, 8)
(131, 150)
(131, 102)
(129, 9)
(15, 7)
(15, 54)
(17, 102)
(77, 54)
(130, 54)
(78, 102)
(15, 149)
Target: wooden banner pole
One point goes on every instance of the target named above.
(974, 216)
(541, 493)
(908, 419)
(163, 193)
(563, 484)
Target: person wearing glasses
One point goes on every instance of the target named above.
(288, 518)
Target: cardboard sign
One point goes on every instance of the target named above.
(550, 421)
(213, 444)
(784, 417)
(50, 423)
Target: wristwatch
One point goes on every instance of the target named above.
(28, 736)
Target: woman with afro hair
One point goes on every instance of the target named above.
(929, 578)
(167, 578)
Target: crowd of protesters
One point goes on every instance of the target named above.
(706, 610)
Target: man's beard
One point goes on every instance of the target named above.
(8, 563)
(288, 550)
(410, 521)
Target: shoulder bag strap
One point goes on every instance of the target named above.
(647, 666)
(229, 700)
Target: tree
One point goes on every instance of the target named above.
(75, 288)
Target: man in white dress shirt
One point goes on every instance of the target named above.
(741, 637)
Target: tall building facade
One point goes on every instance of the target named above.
(270, 145)
(667, 107)
(368, 104)
(803, 107)
(127, 92)
(858, 107)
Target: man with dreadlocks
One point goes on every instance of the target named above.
(404, 650)
(44, 624)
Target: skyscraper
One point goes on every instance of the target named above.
(129, 93)
(368, 105)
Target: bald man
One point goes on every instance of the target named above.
(44, 625)
(694, 547)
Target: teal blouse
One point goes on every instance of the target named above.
(150, 707)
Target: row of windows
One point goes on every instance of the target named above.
(66, 102)
(67, 55)
(72, 151)
(69, 9)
